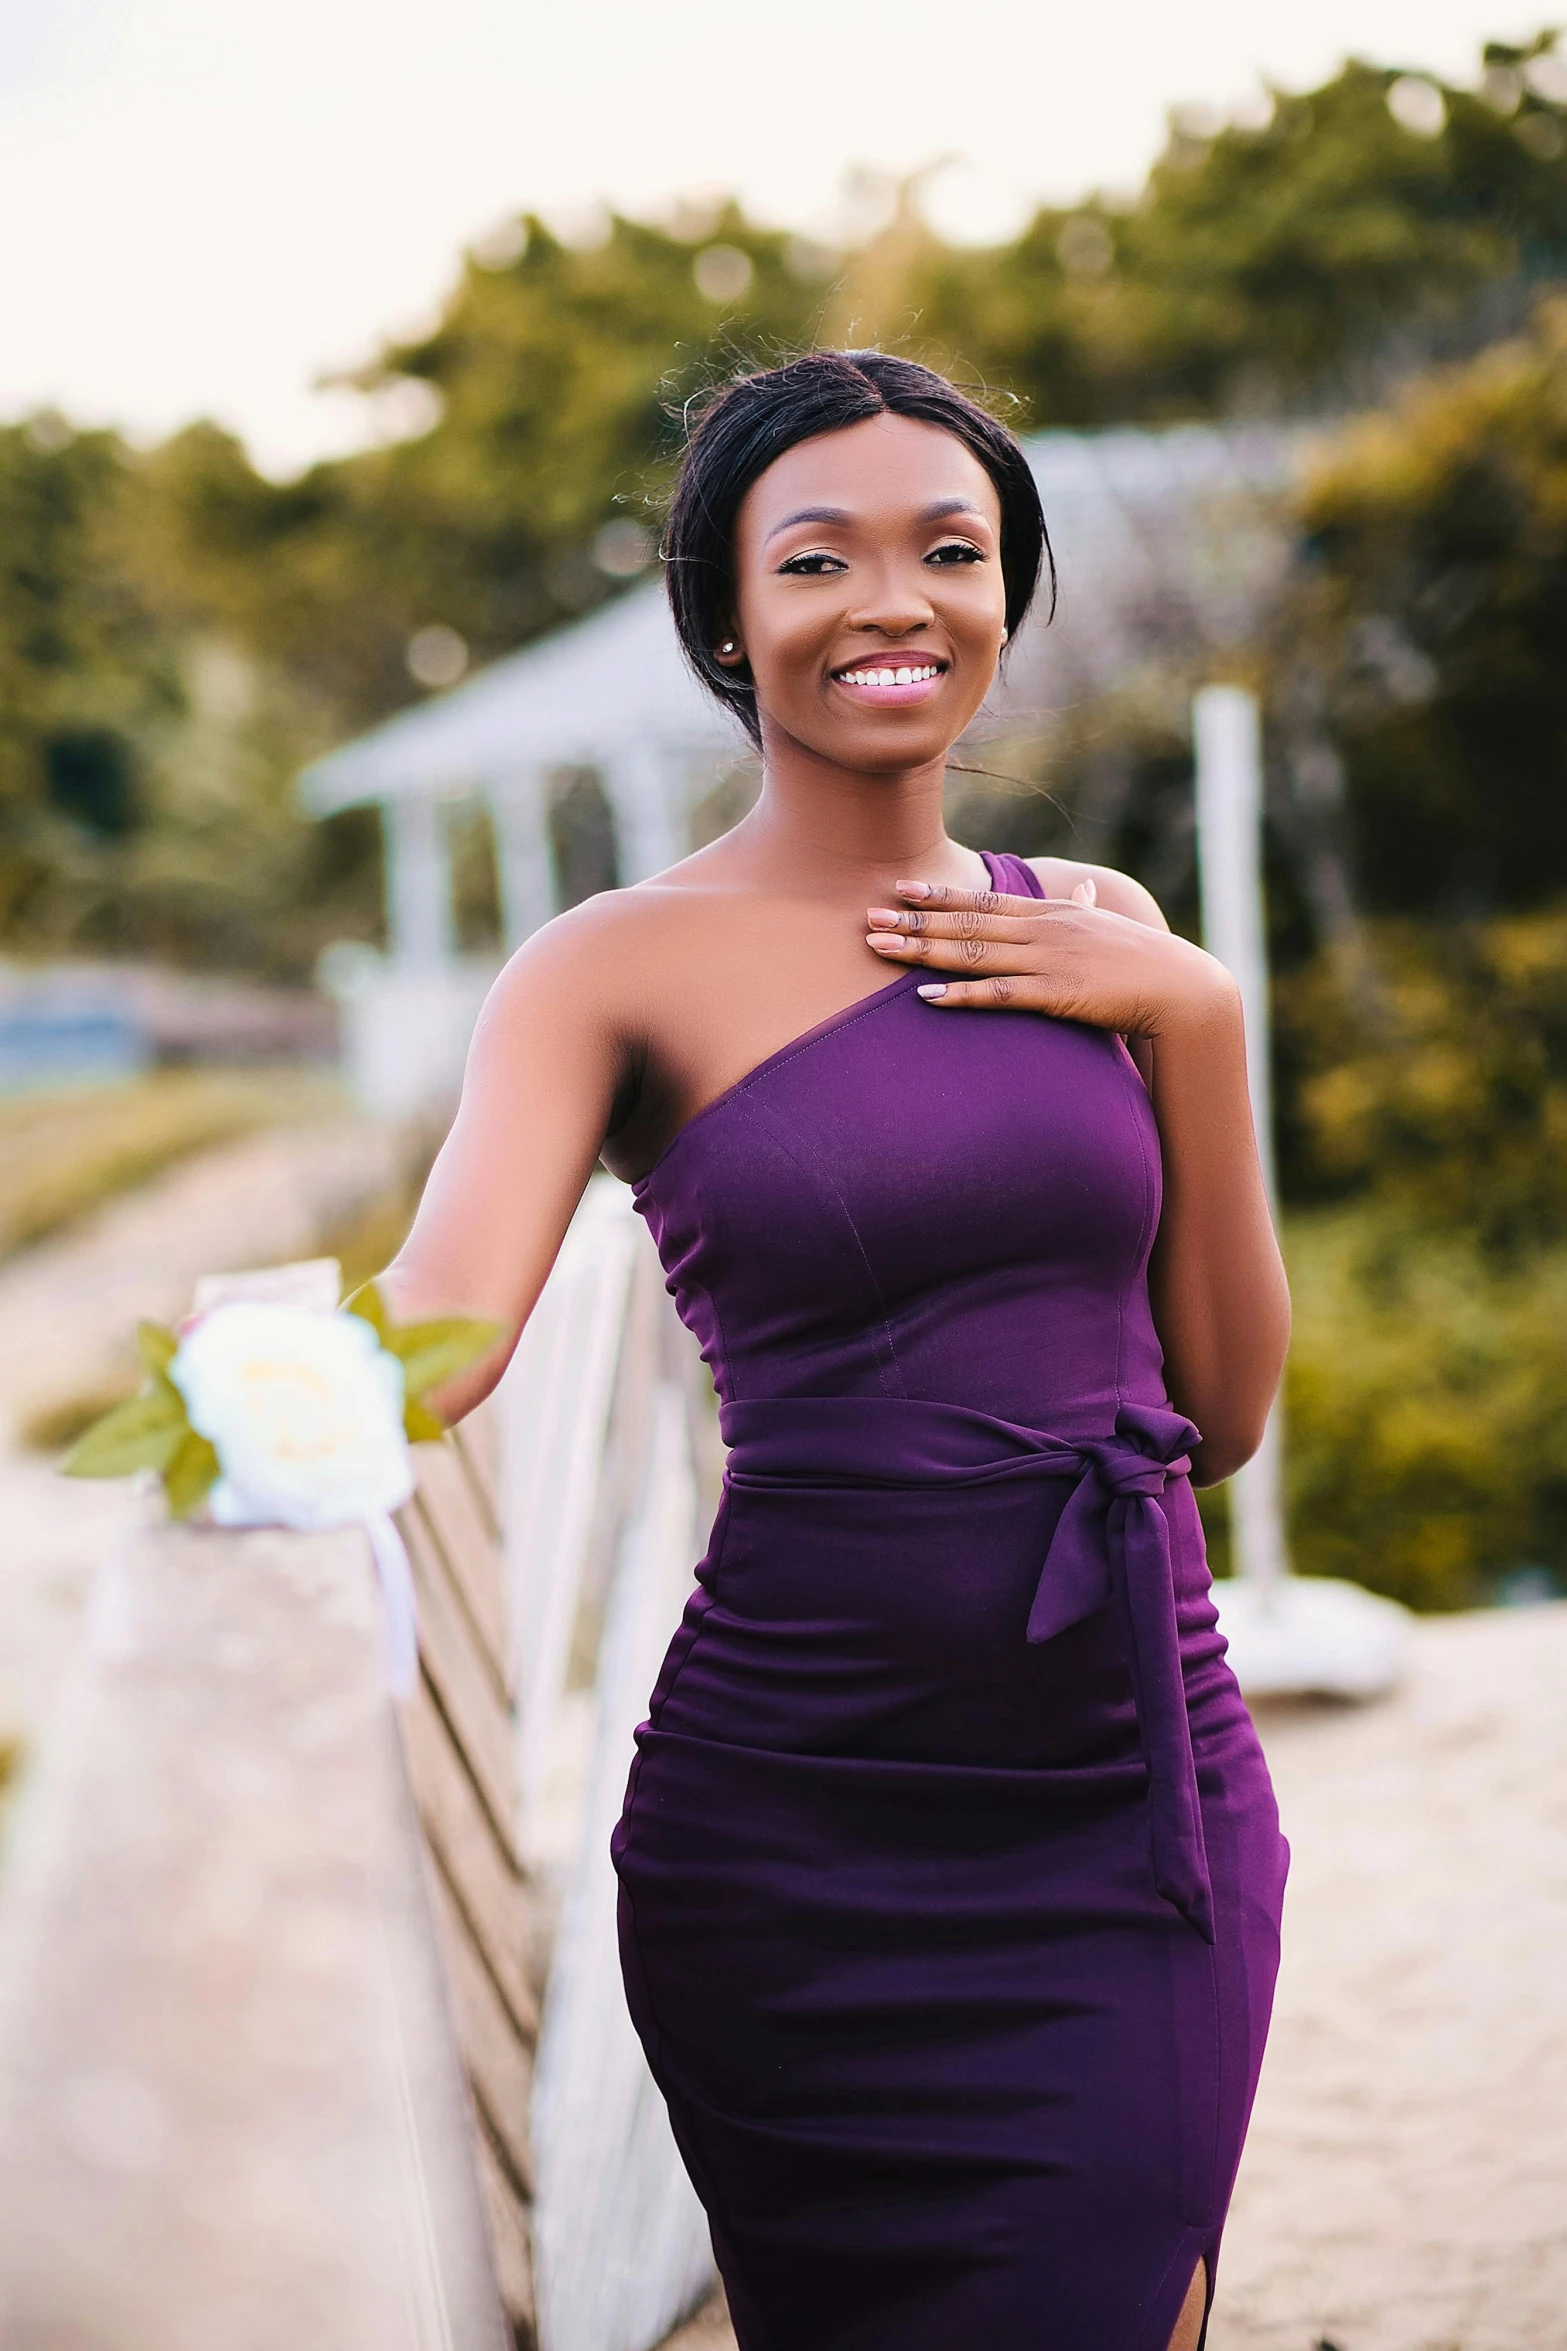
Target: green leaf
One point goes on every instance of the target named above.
(431, 1352)
(156, 1346)
(144, 1433)
(191, 1474)
(370, 1307)
(421, 1426)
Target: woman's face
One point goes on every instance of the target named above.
(870, 602)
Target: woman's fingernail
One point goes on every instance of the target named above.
(912, 889)
(883, 918)
(883, 939)
(935, 989)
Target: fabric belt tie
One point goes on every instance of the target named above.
(1111, 1544)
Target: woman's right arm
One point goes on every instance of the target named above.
(547, 1057)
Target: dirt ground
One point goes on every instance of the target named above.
(1405, 2183)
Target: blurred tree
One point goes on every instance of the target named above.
(1426, 1408)
(1363, 229)
(1295, 261)
(1432, 620)
(547, 397)
(146, 757)
(1449, 1102)
(85, 669)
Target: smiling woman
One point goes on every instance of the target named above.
(748, 431)
(950, 1871)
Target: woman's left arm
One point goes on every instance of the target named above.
(1220, 1300)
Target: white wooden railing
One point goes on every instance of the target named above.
(271, 2067)
(609, 1446)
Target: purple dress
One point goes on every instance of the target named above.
(950, 1869)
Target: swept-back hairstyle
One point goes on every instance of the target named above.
(749, 423)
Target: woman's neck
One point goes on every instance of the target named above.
(829, 831)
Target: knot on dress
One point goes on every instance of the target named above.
(1111, 1545)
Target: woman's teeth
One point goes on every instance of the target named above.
(889, 677)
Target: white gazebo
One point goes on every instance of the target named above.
(1161, 539)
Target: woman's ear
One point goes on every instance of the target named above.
(729, 651)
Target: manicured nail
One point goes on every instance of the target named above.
(884, 939)
(912, 889)
(884, 918)
(935, 989)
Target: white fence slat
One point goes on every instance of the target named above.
(623, 2247)
(554, 1404)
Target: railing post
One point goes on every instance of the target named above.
(231, 2105)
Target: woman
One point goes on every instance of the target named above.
(950, 1870)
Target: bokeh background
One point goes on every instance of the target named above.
(345, 351)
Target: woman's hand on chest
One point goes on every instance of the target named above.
(1069, 957)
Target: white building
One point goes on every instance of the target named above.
(1167, 538)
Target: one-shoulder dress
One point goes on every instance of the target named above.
(950, 1870)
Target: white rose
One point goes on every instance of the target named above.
(305, 1411)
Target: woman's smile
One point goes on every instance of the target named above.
(891, 684)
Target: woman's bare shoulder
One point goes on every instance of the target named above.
(1115, 891)
(605, 957)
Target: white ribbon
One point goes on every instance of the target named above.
(401, 1619)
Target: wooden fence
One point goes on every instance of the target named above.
(310, 2033)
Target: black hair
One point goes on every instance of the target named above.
(753, 420)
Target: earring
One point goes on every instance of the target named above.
(1005, 634)
(728, 646)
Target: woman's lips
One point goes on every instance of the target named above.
(890, 684)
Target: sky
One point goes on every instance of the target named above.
(211, 203)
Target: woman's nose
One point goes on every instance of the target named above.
(894, 608)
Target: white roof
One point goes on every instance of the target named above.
(1158, 536)
(572, 700)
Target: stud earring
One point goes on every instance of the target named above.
(1005, 634)
(728, 646)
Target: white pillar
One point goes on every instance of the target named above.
(522, 855)
(646, 787)
(420, 932)
(1227, 733)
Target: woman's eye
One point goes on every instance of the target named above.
(956, 551)
(814, 565)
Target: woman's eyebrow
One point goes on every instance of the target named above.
(937, 511)
(809, 514)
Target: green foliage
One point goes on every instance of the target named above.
(147, 754)
(1425, 1407)
(1316, 255)
(1433, 621)
(1432, 1076)
(146, 1432)
(190, 1475)
(1426, 1395)
(554, 382)
(85, 672)
(178, 634)
(150, 1431)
